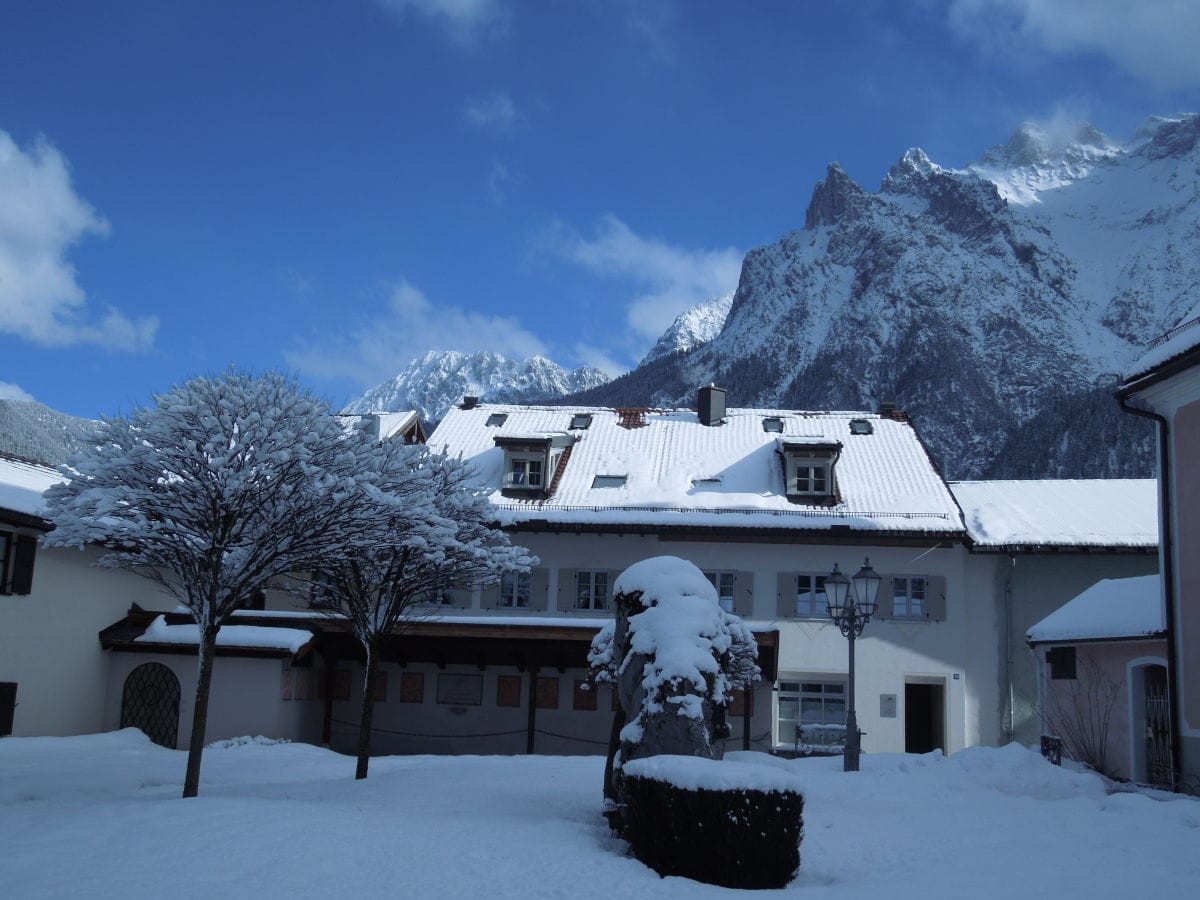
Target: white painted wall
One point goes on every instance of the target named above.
(49, 643)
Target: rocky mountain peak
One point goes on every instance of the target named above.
(835, 198)
(1039, 158)
(692, 328)
(1159, 137)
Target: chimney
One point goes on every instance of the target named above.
(710, 405)
(468, 402)
(889, 411)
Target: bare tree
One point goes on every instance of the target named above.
(1080, 713)
(223, 485)
(427, 548)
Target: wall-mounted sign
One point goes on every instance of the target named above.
(460, 690)
(887, 706)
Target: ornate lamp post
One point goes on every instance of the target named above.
(851, 605)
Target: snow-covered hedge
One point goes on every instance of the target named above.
(714, 821)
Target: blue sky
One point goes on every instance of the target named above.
(333, 188)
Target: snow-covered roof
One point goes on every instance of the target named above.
(1176, 342)
(885, 479)
(1116, 512)
(390, 423)
(247, 636)
(22, 483)
(1113, 608)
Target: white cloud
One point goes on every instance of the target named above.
(374, 351)
(670, 279)
(500, 179)
(10, 391)
(464, 21)
(41, 218)
(589, 355)
(495, 113)
(1154, 40)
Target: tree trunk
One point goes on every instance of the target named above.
(368, 710)
(614, 744)
(207, 649)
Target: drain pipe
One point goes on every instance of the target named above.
(1008, 656)
(1164, 500)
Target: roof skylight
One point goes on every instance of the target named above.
(495, 420)
(581, 421)
(609, 481)
(861, 426)
(773, 423)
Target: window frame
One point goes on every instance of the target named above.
(715, 577)
(1063, 663)
(818, 602)
(525, 457)
(589, 594)
(511, 584)
(906, 612)
(610, 481)
(8, 539)
(824, 690)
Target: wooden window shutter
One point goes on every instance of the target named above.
(935, 596)
(22, 576)
(459, 599)
(566, 589)
(785, 588)
(539, 588)
(613, 575)
(743, 594)
(489, 598)
(883, 599)
(6, 540)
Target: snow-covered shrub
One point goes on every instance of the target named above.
(723, 823)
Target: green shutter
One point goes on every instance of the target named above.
(566, 589)
(785, 590)
(539, 593)
(22, 574)
(743, 594)
(935, 594)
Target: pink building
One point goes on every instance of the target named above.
(1165, 387)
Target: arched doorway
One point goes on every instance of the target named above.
(1150, 722)
(150, 701)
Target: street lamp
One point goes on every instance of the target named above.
(851, 603)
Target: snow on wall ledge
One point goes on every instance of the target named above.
(256, 636)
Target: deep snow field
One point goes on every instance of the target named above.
(100, 816)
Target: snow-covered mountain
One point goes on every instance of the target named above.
(692, 327)
(439, 379)
(35, 431)
(997, 304)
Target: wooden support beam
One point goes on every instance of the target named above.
(532, 726)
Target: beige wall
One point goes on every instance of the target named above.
(1186, 456)
(1026, 588)
(49, 644)
(246, 697)
(1105, 671)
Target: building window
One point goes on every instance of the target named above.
(412, 687)
(547, 692)
(773, 423)
(525, 470)
(811, 713)
(515, 589)
(581, 421)
(909, 598)
(591, 590)
(508, 690)
(724, 583)
(495, 420)
(585, 695)
(861, 426)
(811, 602)
(811, 478)
(1062, 663)
(609, 481)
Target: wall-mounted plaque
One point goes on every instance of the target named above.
(887, 706)
(412, 687)
(459, 690)
(508, 690)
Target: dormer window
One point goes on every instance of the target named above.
(532, 461)
(581, 421)
(495, 420)
(808, 470)
(525, 470)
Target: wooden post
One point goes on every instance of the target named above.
(533, 679)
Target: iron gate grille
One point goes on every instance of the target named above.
(1158, 727)
(150, 702)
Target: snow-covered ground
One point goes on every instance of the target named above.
(100, 816)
